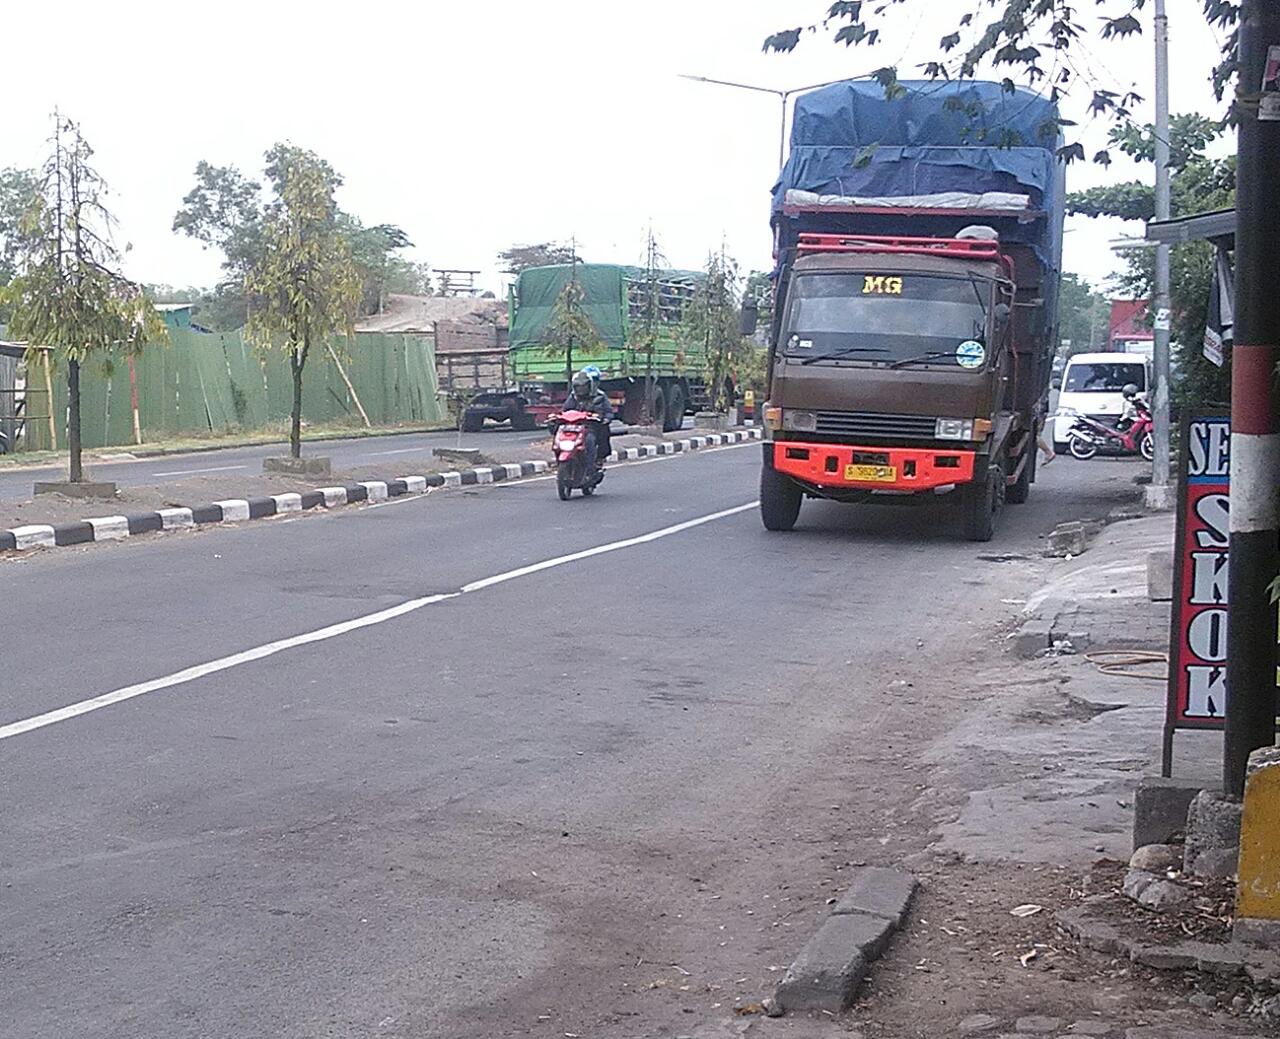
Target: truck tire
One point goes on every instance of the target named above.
(523, 422)
(779, 500)
(982, 502)
(676, 400)
(659, 416)
(1019, 491)
(471, 423)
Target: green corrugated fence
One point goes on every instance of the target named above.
(206, 383)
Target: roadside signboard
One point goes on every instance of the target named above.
(1197, 696)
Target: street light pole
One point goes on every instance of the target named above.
(1160, 495)
(783, 95)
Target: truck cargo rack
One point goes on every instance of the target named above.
(961, 248)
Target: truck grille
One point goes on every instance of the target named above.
(864, 424)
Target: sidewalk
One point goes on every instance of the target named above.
(1031, 798)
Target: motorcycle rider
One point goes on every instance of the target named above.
(586, 395)
(1129, 412)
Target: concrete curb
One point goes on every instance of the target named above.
(826, 974)
(239, 510)
(1226, 960)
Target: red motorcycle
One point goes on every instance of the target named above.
(1087, 436)
(574, 470)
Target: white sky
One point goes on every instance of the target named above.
(477, 125)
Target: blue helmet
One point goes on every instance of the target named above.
(594, 372)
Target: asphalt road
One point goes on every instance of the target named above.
(405, 447)
(582, 798)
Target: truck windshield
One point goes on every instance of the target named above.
(888, 318)
(1104, 377)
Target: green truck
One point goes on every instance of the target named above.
(637, 317)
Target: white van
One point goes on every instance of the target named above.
(1092, 385)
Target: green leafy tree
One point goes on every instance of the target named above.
(68, 294)
(18, 193)
(1083, 315)
(1035, 41)
(304, 287)
(1198, 184)
(543, 254)
(712, 327)
(225, 211)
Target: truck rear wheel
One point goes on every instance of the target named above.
(659, 414)
(675, 408)
(1020, 490)
(779, 500)
(982, 502)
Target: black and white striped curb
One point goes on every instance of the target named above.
(237, 510)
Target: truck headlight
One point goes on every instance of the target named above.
(954, 429)
(799, 421)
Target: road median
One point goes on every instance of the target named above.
(117, 526)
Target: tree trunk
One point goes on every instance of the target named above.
(296, 361)
(76, 469)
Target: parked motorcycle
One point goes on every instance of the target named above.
(574, 470)
(1087, 436)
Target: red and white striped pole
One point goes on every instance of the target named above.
(1255, 405)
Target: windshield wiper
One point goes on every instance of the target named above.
(933, 355)
(845, 352)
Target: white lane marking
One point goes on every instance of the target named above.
(600, 550)
(190, 674)
(397, 451)
(331, 631)
(211, 469)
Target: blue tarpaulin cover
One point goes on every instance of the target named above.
(849, 139)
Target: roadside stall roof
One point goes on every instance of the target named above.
(1218, 226)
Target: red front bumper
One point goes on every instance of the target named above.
(877, 468)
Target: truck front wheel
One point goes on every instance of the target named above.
(982, 502)
(779, 500)
(1020, 490)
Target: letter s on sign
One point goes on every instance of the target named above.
(1213, 510)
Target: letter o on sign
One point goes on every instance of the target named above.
(1207, 635)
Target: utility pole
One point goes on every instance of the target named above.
(1254, 559)
(1160, 493)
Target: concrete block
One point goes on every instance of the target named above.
(109, 528)
(334, 496)
(291, 502)
(176, 518)
(33, 535)
(1068, 539)
(463, 456)
(80, 489)
(310, 465)
(1160, 809)
(1213, 836)
(234, 510)
(1032, 639)
(1160, 575)
(1159, 498)
(833, 963)
(878, 892)
(711, 420)
(375, 490)
(1258, 904)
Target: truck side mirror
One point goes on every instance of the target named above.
(749, 318)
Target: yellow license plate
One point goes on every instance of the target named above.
(871, 473)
